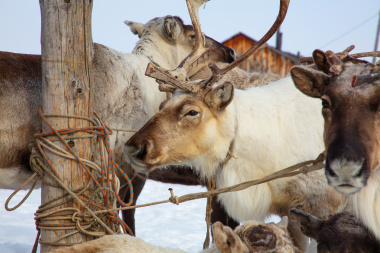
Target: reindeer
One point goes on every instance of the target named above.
(349, 89)
(121, 89)
(342, 232)
(239, 135)
(252, 237)
(117, 243)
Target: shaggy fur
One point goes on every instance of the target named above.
(253, 237)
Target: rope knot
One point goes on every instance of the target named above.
(174, 199)
(35, 162)
(74, 217)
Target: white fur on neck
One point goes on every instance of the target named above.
(366, 203)
(266, 116)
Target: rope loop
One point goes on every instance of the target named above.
(17, 190)
(104, 195)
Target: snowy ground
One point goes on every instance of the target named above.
(168, 225)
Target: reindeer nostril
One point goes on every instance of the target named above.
(141, 153)
(329, 171)
(362, 170)
(232, 55)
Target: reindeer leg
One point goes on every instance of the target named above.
(129, 215)
(219, 214)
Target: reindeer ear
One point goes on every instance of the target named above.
(224, 238)
(136, 28)
(310, 225)
(172, 28)
(220, 96)
(309, 81)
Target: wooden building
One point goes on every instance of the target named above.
(268, 59)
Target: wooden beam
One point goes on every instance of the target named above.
(67, 78)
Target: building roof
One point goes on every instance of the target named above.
(292, 57)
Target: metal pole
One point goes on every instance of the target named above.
(377, 38)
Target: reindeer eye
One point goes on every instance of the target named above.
(192, 36)
(192, 113)
(325, 104)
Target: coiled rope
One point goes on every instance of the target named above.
(105, 193)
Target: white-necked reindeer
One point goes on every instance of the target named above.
(350, 91)
(265, 128)
(123, 96)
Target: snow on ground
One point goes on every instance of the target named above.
(168, 225)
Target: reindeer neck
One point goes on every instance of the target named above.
(266, 140)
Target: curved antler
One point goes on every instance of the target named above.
(217, 73)
(200, 49)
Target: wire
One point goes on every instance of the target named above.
(349, 31)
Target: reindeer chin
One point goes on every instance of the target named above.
(347, 189)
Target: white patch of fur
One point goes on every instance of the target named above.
(346, 171)
(366, 203)
(12, 178)
(277, 126)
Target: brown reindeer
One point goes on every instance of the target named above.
(238, 136)
(342, 232)
(350, 90)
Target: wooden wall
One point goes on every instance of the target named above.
(265, 60)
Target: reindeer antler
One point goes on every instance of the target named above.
(177, 78)
(217, 73)
(199, 39)
(344, 56)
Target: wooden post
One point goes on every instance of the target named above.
(67, 78)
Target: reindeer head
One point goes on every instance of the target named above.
(190, 123)
(350, 92)
(253, 236)
(176, 40)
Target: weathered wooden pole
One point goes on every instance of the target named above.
(67, 78)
